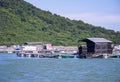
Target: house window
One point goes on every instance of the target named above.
(104, 46)
(97, 46)
(104, 51)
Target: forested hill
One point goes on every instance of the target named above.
(22, 22)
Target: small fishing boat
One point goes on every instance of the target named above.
(115, 55)
(64, 56)
(67, 56)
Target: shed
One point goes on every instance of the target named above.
(96, 46)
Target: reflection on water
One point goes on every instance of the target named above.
(17, 69)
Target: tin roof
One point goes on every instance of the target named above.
(98, 40)
(33, 43)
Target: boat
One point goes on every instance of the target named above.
(59, 56)
(115, 55)
(67, 56)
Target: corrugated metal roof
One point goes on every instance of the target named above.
(99, 40)
(33, 43)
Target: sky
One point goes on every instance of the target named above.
(104, 13)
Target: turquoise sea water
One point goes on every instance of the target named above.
(17, 69)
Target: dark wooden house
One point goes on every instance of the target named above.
(95, 47)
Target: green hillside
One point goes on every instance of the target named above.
(22, 22)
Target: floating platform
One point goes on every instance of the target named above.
(37, 55)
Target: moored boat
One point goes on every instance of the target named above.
(67, 56)
(64, 56)
(115, 55)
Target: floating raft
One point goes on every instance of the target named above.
(38, 55)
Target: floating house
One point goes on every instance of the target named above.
(95, 47)
(35, 49)
(32, 47)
